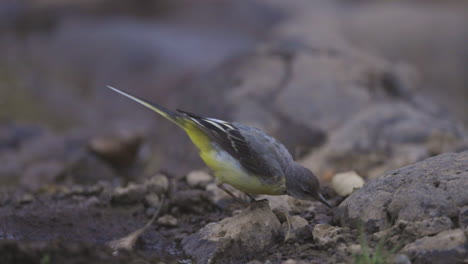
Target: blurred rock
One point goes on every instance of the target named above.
(198, 178)
(345, 183)
(387, 136)
(158, 184)
(38, 174)
(191, 201)
(152, 200)
(439, 181)
(217, 195)
(133, 193)
(446, 247)
(251, 232)
(167, 220)
(119, 150)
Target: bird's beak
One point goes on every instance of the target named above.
(322, 200)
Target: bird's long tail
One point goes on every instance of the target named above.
(175, 117)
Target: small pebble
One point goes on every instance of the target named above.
(198, 178)
(167, 220)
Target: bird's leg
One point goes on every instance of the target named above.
(288, 220)
(221, 186)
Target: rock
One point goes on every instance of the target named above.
(354, 249)
(385, 137)
(26, 198)
(345, 183)
(299, 229)
(198, 178)
(279, 203)
(120, 150)
(327, 235)
(239, 237)
(401, 259)
(157, 184)
(167, 220)
(133, 193)
(42, 173)
(463, 218)
(426, 227)
(446, 247)
(152, 200)
(440, 182)
(293, 261)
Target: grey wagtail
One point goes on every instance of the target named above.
(242, 156)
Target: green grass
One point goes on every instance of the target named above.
(378, 255)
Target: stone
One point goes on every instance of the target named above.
(133, 193)
(152, 200)
(198, 179)
(463, 218)
(354, 249)
(237, 238)
(119, 149)
(299, 229)
(168, 220)
(426, 227)
(401, 259)
(345, 183)
(327, 235)
(26, 198)
(430, 189)
(446, 247)
(157, 184)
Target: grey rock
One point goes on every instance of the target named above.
(328, 235)
(463, 218)
(299, 229)
(401, 259)
(425, 227)
(235, 238)
(446, 247)
(430, 189)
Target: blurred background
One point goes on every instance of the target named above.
(362, 85)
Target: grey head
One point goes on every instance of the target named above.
(302, 184)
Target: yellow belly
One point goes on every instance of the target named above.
(227, 169)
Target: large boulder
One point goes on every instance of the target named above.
(432, 192)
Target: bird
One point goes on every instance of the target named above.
(242, 156)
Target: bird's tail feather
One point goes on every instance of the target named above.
(175, 117)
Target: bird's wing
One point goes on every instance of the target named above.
(246, 144)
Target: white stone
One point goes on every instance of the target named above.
(198, 178)
(345, 183)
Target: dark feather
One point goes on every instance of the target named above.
(230, 139)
